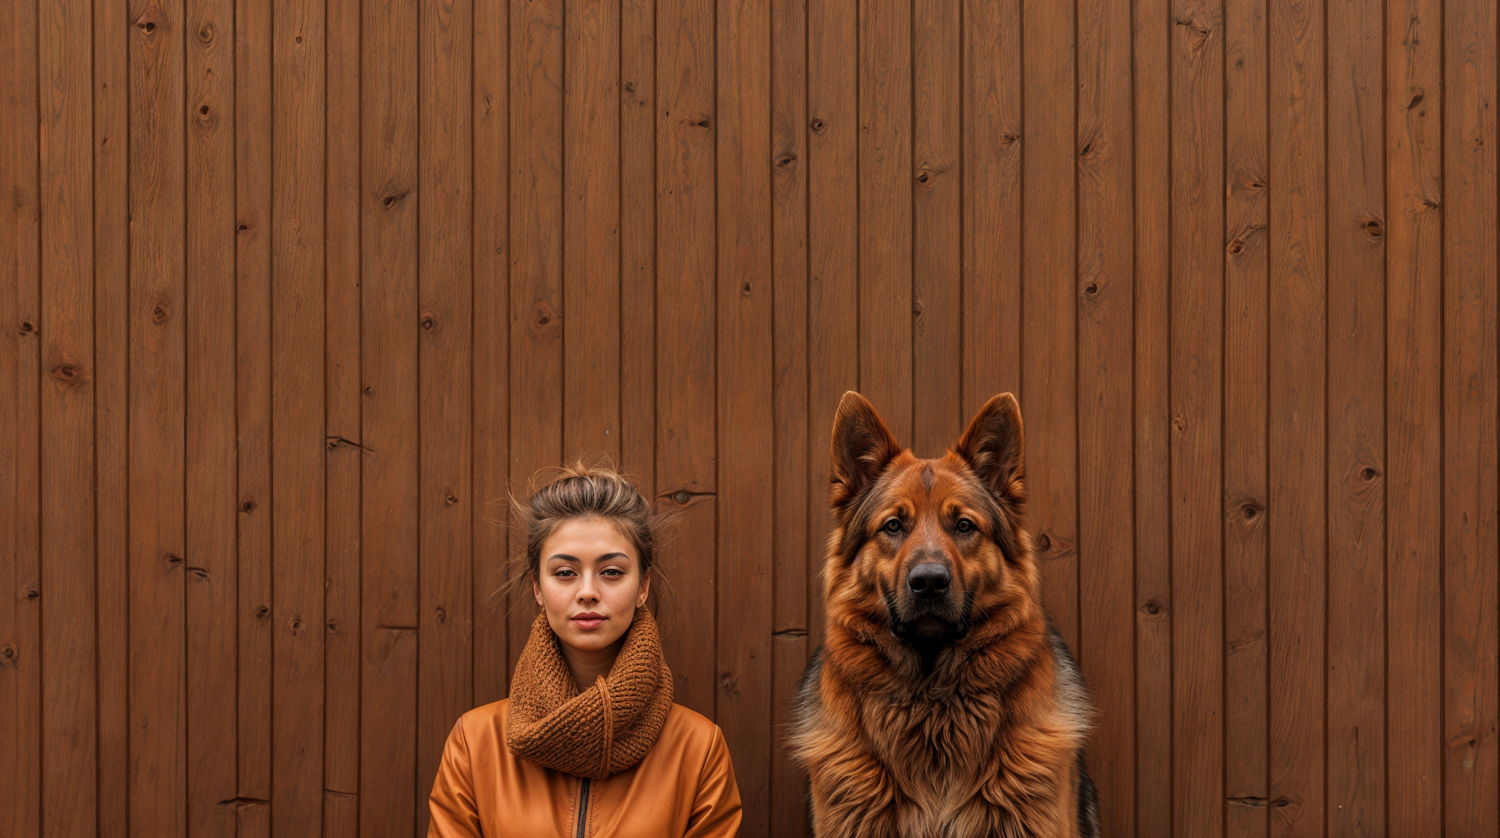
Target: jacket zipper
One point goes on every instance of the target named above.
(583, 807)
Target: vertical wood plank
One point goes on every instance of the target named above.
(936, 332)
(638, 243)
(991, 199)
(342, 431)
(389, 312)
(445, 676)
(65, 176)
(1196, 313)
(1152, 414)
(1048, 305)
(252, 103)
(591, 230)
(1105, 290)
(1469, 421)
(111, 365)
(212, 625)
(298, 441)
(885, 211)
(790, 498)
(491, 346)
(1296, 421)
(536, 215)
(1244, 441)
(24, 222)
(1414, 416)
(1356, 428)
(833, 254)
(157, 645)
(685, 344)
(746, 397)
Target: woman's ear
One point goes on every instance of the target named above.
(640, 599)
(536, 589)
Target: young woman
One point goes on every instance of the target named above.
(589, 742)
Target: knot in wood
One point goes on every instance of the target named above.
(332, 627)
(67, 373)
(1153, 608)
(26, 327)
(451, 499)
(206, 34)
(1179, 424)
(33, 593)
(442, 615)
(146, 25)
(818, 126)
(263, 611)
(247, 506)
(428, 322)
(1044, 542)
(682, 497)
(7, 651)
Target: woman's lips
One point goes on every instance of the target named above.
(588, 620)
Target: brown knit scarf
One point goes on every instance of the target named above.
(605, 729)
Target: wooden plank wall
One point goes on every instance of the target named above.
(295, 292)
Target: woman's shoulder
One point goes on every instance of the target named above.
(690, 732)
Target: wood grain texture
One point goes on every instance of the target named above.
(342, 425)
(1414, 407)
(252, 102)
(1152, 415)
(885, 211)
(1049, 310)
(389, 513)
(686, 349)
(591, 287)
(298, 441)
(491, 348)
(991, 167)
(792, 551)
(68, 648)
(1196, 316)
(1245, 336)
(1105, 292)
(111, 271)
(1297, 422)
(1356, 424)
(24, 549)
(936, 178)
(211, 479)
(1469, 422)
(444, 338)
(158, 730)
(833, 259)
(745, 400)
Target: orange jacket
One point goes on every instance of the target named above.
(684, 786)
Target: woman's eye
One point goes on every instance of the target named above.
(564, 573)
(965, 525)
(893, 525)
(613, 571)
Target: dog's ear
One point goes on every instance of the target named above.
(862, 447)
(994, 448)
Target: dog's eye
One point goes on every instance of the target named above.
(965, 525)
(893, 525)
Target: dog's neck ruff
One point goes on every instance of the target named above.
(601, 731)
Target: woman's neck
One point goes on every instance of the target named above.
(588, 665)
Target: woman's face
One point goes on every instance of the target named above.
(589, 582)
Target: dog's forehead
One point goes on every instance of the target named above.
(931, 482)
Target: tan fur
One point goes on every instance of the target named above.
(977, 736)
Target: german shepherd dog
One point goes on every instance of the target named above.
(942, 703)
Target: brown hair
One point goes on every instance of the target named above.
(579, 491)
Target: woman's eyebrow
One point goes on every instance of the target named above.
(568, 558)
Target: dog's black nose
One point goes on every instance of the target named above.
(929, 579)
